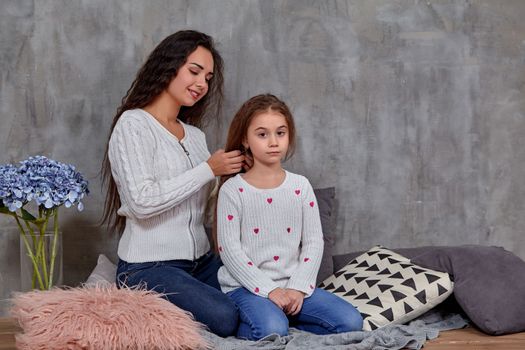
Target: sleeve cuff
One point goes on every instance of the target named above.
(204, 173)
(266, 290)
(307, 289)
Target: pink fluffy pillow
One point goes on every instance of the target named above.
(103, 318)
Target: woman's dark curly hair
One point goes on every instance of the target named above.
(153, 78)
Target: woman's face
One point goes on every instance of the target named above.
(267, 137)
(191, 82)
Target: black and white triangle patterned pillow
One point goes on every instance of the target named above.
(386, 287)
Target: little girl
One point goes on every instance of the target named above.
(269, 233)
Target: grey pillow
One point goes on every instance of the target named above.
(489, 284)
(325, 199)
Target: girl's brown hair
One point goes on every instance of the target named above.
(154, 77)
(239, 130)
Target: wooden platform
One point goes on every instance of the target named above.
(459, 339)
(8, 328)
(473, 339)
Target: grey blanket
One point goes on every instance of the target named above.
(391, 337)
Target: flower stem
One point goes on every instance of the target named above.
(41, 249)
(29, 252)
(33, 238)
(54, 248)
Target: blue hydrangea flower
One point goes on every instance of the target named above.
(12, 187)
(48, 182)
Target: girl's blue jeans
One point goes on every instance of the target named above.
(191, 285)
(322, 313)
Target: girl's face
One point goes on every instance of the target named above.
(191, 82)
(267, 137)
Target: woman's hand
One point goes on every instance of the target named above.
(296, 301)
(279, 298)
(226, 163)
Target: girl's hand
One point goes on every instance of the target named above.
(279, 298)
(296, 301)
(225, 163)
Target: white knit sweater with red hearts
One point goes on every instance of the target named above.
(269, 238)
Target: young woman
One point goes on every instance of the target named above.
(160, 174)
(269, 233)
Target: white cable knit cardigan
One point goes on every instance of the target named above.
(269, 238)
(164, 185)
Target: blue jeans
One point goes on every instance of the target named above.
(322, 313)
(191, 285)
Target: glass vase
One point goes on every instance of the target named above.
(40, 261)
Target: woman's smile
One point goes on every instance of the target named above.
(194, 94)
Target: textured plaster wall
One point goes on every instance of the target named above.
(413, 110)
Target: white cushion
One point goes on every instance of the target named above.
(387, 288)
(104, 273)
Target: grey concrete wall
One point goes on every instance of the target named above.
(414, 110)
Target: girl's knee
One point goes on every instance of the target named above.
(273, 324)
(355, 324)
(352, 322)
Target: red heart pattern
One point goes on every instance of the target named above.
(312, 204)
(241, 189)
(289, 229)
(230, 217)
(250, 263)
(276, 257)
(297, 192)
(256, 290)
(269, 200)
(306, 259)
(256, 230)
